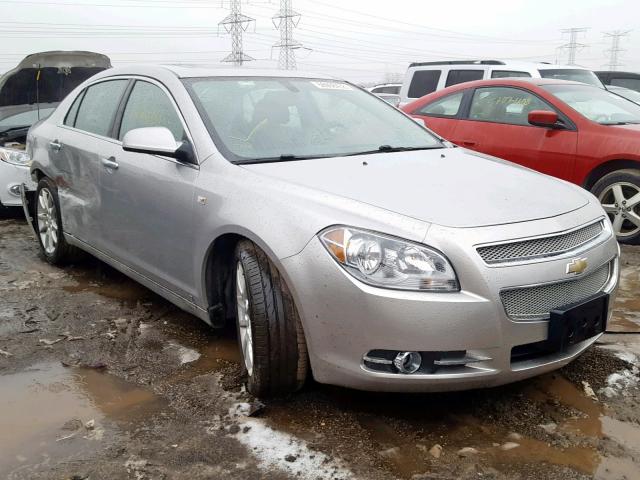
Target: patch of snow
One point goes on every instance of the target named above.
(619, 382)
(185, 355)
(278, 450)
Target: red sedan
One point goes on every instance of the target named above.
(570, 130)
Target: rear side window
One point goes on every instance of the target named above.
(70, 119)
(423, 83)
(509, 74)
(98, 108)
(460, 76)
(504, 105)
(632, 83)
(149, 106)
(448, 106)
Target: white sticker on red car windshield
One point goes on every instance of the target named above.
(328, 85)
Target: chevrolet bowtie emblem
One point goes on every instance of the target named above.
(577, 266)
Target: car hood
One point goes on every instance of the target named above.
(449, 187)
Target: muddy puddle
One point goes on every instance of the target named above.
(626, 317)
(52, 414)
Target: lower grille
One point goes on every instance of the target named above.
(530, 303)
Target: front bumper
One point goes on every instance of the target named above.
(345, 319)
(11, 177)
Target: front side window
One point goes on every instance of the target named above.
(149, 106)
(99, 105)
(573, 74)
(509, 74)
(504, 105)
(631, 83)
(72, 114)
(423, 82)
(461, 76)
(448, 106)
(255, 119)
(596, 104)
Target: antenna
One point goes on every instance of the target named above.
(615, 50)
(573, 46)
(235, 24)
(285, 21)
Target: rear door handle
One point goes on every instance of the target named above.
(55, 146)
(110, 163)
(469, 143)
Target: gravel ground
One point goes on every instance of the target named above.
(102, 379)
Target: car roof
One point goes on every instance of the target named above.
(195, 71)
(498, 64)
(516, 82)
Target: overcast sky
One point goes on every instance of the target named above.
(362, 40)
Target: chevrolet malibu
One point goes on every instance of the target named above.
(343, 239)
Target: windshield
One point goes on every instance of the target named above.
(24, 119)
(596, 104)
(256, 119)
(626, 93)
(573, 74)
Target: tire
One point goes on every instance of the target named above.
(614, 190)
(53, 247)
(279, 361)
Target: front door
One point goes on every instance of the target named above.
(497, 124)
(147, 200)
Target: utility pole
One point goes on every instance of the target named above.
(573, 46)
(236, 24)
(285, 21)
(615, 50)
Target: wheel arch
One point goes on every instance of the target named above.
(217, 269)
(605, 168)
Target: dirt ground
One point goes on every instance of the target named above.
(102, 379)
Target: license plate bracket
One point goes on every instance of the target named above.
(577, 322)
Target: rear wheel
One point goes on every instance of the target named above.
(619, 193)
(53, 246)
(270, 333)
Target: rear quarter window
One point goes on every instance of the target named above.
(509, 74)
(423, 83)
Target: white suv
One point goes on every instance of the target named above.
(428, 77)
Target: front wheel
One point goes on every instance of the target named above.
(270, 333)
(619, 193)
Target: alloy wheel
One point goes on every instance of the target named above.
(47, 221)
(244, 319)
(621, 201)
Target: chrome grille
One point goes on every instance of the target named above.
(536, 302)
(540, 247)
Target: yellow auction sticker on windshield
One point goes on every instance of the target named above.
(328, 85)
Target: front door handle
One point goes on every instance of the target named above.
(110, 163)
(55, 146)
(469, 143)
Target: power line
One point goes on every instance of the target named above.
(615, 50)
(285, 21)
(573, 46)
(236, 24)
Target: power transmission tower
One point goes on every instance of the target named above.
(285, 21)
(236, 24)
(573, 46)
(615, 50)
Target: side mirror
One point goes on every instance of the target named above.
(157, 141)
(544, 118)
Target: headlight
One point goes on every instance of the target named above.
(15, 157)
(384, 261)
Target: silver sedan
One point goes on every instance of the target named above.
(345, 240)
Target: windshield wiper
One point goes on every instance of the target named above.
(287, 157)
(620, 123)
(390, 149)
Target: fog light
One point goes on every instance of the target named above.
(14, 190)
(407, 362)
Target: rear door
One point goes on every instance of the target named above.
(147, 200)
(496, 123)
(85, 139)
